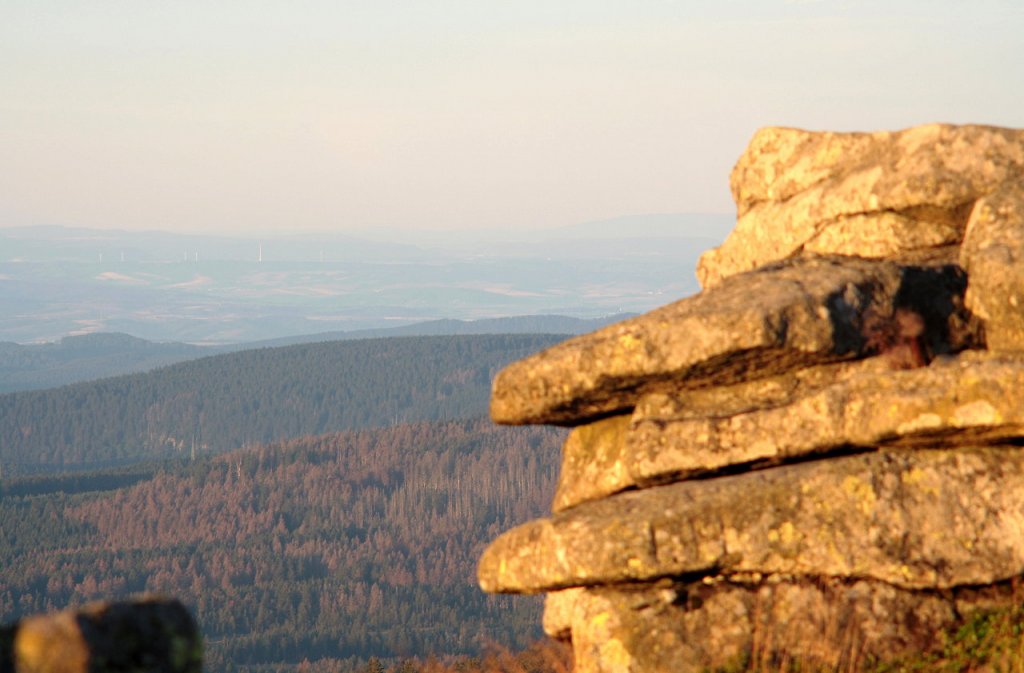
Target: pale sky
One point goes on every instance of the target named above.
(261, 116)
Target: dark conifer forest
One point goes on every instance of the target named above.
(315, 505)
(328, 549)
(219, 403)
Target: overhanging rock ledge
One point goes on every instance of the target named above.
(819, 455)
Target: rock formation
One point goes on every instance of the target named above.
(819, 455)
(905, 195)
(144, 636)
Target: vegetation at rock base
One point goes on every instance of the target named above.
(341, 546)
(989, 641)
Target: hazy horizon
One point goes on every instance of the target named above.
(422, 234)
(270, 117)
(236, 287)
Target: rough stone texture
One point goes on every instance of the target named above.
(914, 519)
(957, 400)
(595, 457)
(559, 608)
(969, 399)
(807, 312)
(592, 463)
(993, 253)
(832, 623)
(153, 635)
(871, 194)
(814, 459)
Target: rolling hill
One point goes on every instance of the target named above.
(219, 403)
(86, 357)
(335, 548)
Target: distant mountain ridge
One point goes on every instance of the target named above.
(527, 324)
(85, 357)
(88, 357)
(217, 403)
(227, 289)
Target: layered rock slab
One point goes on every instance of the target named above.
(973, 398)
(594, 463)
(804, 312)
(846, 476)
(913, 519)
(832, 623)
(993, 254)
(153, 634)
(885, 194)
(595, 456)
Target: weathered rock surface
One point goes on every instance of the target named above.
(831, 623)
(973, 398)
(154, 635)
(870, 194)
(820, 457)
(807, 312)
(596, 457)
(954, 402)
(913, 519)
(559, 609)
(593, 463)
(993, 253)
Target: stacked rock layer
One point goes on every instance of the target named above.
(817, 456)
(145, 635)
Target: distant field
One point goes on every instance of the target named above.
(56, 282)
(227, 302)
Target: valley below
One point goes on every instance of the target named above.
(322, 502)
(290, 435)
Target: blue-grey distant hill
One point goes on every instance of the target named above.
(218, 403)
(85, 357)
(94, 356)
(526, 324)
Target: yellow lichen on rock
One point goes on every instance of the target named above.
(819, 454)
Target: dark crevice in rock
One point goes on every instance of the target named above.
(734, 469)
(846, 311)
(936, 294)
(568, 420)
(748, 366)
(707, 580)
(935, 440)
(652, 541)
(947, 438)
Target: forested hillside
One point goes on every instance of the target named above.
(84, 357)
(219, 403)
(336, 547)
(93, 356)
(523, 324)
